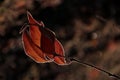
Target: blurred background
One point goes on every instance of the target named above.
(88, 29)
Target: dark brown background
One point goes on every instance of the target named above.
(88, 29)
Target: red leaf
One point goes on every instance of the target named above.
(41, 44)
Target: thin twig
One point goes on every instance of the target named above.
(23, 28)
(97, 68)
